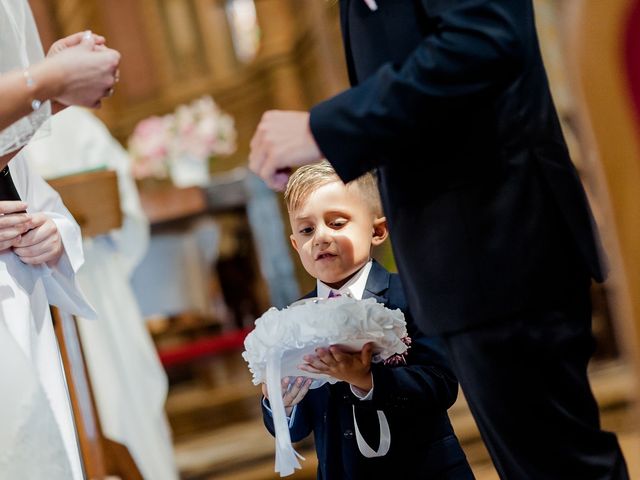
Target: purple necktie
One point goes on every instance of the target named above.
(333, 294)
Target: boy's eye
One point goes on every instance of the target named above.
(338, 223)
(306, 230)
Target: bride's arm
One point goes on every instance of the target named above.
(78, 75)
(16, 96)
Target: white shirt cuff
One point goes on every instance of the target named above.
(361, 394)
(290, 419)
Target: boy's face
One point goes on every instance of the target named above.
(333, 232)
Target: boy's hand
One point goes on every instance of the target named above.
(13, 223)
(42, 244)
(294, 395)
(353, 368)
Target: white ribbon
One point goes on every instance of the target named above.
(286, 456)
(385, 437)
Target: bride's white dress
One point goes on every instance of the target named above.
(37, 435)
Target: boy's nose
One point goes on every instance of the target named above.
(322, 236)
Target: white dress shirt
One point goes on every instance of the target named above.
(353, 288)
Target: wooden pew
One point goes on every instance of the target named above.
(93, 199)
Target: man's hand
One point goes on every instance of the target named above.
(283, 140)
(42, 243)
(353, 368)
(294, 395)
(13, 223)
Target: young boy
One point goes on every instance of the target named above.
(334, 228)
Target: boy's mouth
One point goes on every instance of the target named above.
(325, 255)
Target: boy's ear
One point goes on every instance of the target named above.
(380, 231)
(293, 242)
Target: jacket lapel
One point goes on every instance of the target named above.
(377, 283)
(313, 293)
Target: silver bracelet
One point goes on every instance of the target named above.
(31, 83)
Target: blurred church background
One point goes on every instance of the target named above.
(212, 267)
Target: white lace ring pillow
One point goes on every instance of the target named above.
(281, 338)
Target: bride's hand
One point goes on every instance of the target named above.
(73, 40)
(87, 74)
(293, 395)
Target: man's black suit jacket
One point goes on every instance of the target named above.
(450, 102)
(415, 399)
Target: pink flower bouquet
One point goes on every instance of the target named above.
(179, 145)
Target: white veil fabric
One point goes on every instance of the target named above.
(20, 47)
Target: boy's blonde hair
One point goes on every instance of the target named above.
(307, 179)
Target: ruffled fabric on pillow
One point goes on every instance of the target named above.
(314, 323)
(281, 339)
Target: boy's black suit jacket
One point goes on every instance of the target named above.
(450, 101)
(414, 398)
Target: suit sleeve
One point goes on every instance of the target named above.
(299, 428)
(426, 381)
(473, 49)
